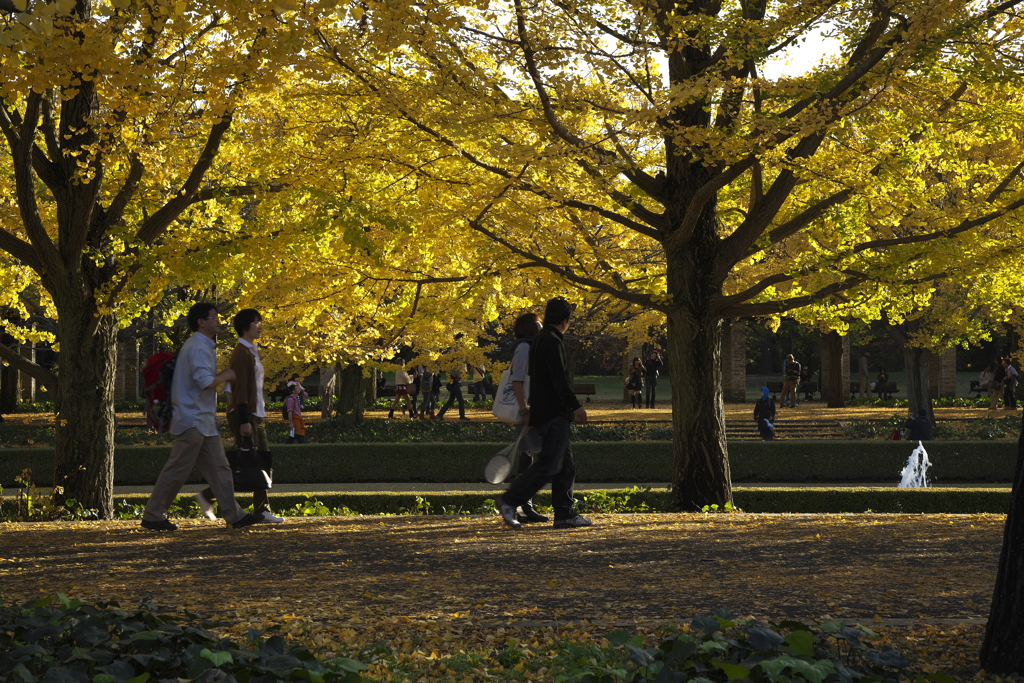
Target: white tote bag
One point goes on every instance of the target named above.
(506, 408)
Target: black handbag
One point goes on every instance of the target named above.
(251, 469)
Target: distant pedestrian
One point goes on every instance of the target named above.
(764, 415)
(652, 370)
(293, 409)
(863, 368)
(303, 394)
(919, 428)
(247, 408)
(553, 409)
(806, 384)
(454, 394)
(402, 383)
(791, 383)
(882, 384)
(1010, 381)
(194, 426)
(984, 379)
(479, 386)
(995, 387)
(429, 398)
(635, 382)
(414, 388)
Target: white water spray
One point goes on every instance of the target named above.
(916, 471)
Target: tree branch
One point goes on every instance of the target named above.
(41, 374)
(725, 310)
(154, 226)
(964, 226)
(566, 272)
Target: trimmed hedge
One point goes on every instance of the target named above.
(748, 499)
(614, 461)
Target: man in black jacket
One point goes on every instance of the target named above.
(553, 408)
(653, 366)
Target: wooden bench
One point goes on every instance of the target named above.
(889, 390)
(586, 389)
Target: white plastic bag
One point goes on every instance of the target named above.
(506, 407)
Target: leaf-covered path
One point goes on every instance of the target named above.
(381, 576)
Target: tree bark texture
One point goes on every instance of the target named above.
(1002, 651)
(915, 368)
(328, 387)
(351, 392)
(9, 387)
(635, 351)
(700, 475)
(83, 454)
(832, 370)
(916, 364)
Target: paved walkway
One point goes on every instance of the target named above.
(472, 487)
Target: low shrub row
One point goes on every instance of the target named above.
(747, 499)
(623, 461)
(71, 642)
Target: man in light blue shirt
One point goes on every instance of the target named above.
(194, 426)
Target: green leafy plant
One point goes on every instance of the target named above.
(715, 508)
(721, 648)
(65, 641)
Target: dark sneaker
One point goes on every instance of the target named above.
(464, 419)
(508, 513)
(162, 525)
(248, 520)
(573, 522)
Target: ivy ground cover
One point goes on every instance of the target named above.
(451, 594)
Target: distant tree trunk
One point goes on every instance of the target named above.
(627, 362)
(765, 366)
(573, 347)
(1002, 652)
(915, 368)
(832, 370)
(351, 392)
(328, 382)
(370, 388)
(9, 383)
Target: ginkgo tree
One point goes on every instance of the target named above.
(117, 119)
(582, 135)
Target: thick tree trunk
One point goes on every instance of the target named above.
(915, 368)
(1002, 652)
(83, 457)
(351, 392)
(9, 384)
(766, 365)
(832, 370)
(369, 387)
(701, 460)
(573, 347)
(627, 362)
(328, 386)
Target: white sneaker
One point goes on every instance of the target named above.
(272, 518)
(206, 506)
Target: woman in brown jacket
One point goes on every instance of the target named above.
(246, 405)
